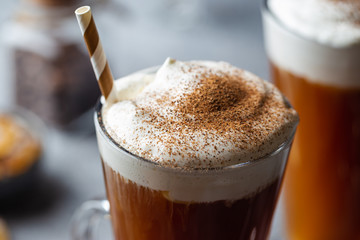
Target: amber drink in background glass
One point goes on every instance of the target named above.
(314, 53)
(193, 150)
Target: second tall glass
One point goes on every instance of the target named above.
(322, 183)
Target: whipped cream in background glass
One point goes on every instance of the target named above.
(198, 115)
(329, 29)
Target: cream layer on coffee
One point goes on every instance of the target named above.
(197, 115)
(315, 39)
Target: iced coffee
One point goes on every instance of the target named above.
(194, 150)
(314, 50)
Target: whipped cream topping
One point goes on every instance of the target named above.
(336, 23)
(199, 114)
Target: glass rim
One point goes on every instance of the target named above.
(99, 126)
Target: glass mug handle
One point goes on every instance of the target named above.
(87, 218)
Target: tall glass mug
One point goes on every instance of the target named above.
(148, 201)
(322, 183)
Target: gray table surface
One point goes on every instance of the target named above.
(134, 36)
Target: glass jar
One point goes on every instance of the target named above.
(49, 64)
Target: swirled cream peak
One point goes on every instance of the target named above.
(332, 22)
(199, 114)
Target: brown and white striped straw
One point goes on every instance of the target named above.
(96, 52)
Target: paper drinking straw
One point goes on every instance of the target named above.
(96, 52)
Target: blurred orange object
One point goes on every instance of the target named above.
(19, 150)
(4, 233)
(21, 137)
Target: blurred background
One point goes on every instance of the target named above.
(135, 34)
